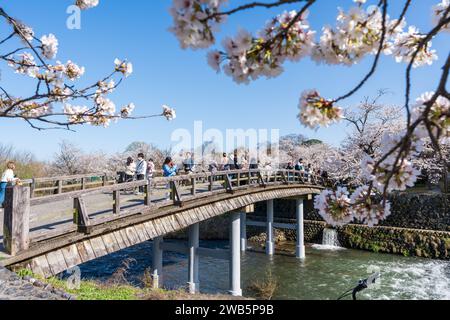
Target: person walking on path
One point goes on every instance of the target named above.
(8, 178)
(141, 171)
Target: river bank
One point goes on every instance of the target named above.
(323, 275)
(379, 239)
(112, 290)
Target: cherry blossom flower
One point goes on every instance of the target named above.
(214, 60)
(169, 113)
(49, 46)
(25, 32)
(191, 27)
(25, 65)
(31, 109)
(105, 87)
(87, 4)
(334, 206)
(367, 209)
(406, 44)
(316, 111)
(357, 33)
(401, 175)
(438, 116)
(127, 110)
(126, 68)
(439, 12)
(76, 114)
(251, 57)
(73, 71)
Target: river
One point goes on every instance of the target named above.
(325, 274)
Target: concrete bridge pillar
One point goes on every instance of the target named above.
(243, 231)
(193, 244)
(235, 255)
(269, 232)
(300, 248)
(157, 263)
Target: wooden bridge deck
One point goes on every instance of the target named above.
(109, 219)
(57, 217)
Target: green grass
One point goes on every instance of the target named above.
(91, 290)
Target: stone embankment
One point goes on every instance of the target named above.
(12, 287)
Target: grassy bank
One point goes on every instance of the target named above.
(93, 290)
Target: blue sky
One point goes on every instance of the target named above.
(165, 74)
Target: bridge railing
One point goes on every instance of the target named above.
(157, 193)
(40, 187)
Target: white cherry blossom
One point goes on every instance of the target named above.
(87, 4)
(49, 46)
(316, 111)
(334, 206)
(169, 113)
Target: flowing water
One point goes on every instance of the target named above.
(329, 241)
(325, 274)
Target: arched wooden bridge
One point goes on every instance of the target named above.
(52, 233)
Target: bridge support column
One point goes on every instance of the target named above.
(235, 256)
(243, 231)
(157, 263)
(269, 239)
(300, 248)
(193, 245)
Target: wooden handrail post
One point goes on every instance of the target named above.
(194, 186)
(116, 206)
(16, 224)
(60, 186)
(211, 183)
(228, 184)
(32, 187)
(81, 217)
(148, 194)
(83, 183)
(176, 195)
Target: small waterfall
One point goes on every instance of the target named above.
(330, 238)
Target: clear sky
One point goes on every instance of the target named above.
(165, 74)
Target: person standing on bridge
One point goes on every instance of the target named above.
(169, 168)
(8, 177)
(188, 163)
(150, 169)
(141, 171)
(224, 162)
(130, 170)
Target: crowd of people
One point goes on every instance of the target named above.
(142, 169)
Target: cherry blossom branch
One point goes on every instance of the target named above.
(377, 56)
(420, 46)
(52, 89)
(251, 6)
